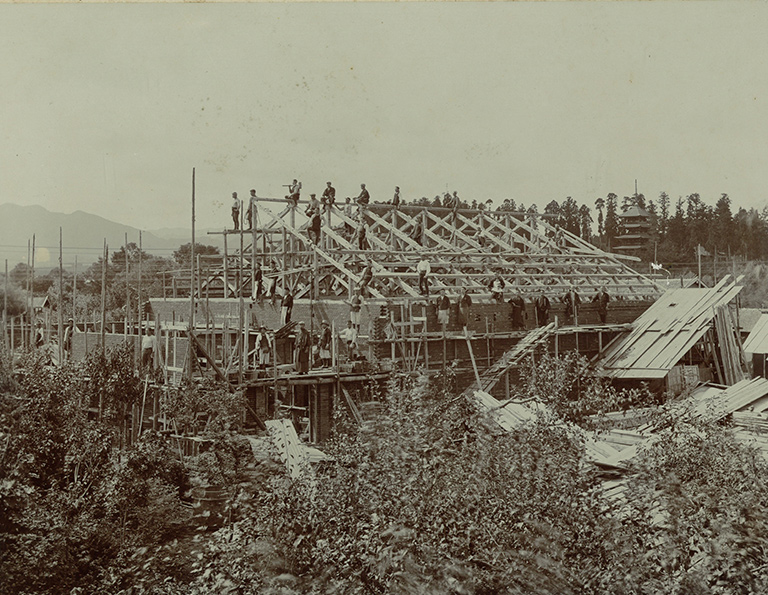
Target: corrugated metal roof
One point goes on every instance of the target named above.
(664, 333)
(757, 341)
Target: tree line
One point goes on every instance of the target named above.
(677, 228)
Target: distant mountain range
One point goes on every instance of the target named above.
(84, 235)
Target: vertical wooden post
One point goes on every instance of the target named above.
(254, 219)
(5, 308)
(208, 344)
(226, 267)
(199, 279)
(290, 239)
(61, 298)
(25, 334)
(285, 261)
(74, 298)
(104, 301)
(32, 274)
(243, 353)
(426, 340)
(487, 343)
(139, 314)
(192, 271)
(127, 293)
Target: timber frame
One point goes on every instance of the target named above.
(466, 248)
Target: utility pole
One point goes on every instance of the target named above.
(241, 282)
(5, 307)
(127, 293)
(104, 301)
(192, 280)
(61, 297)
(139, 312)
(26, 334)
(32, 294)
(74, 301)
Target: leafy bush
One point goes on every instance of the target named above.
(71, 501)
(574, 393)
(428, 500)
(207, 406)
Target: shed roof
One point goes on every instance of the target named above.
(757, 341)
(665, 332)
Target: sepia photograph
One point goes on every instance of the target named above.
(366, 298)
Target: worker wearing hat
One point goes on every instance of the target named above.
(302, 348)
(325, 345)
(314, 205)
(264, 347)
(329, 196)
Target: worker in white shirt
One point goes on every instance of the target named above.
(236, 210)
(349, 335)
(148, 343)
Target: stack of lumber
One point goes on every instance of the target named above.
(732, 360)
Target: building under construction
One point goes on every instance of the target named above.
(209, 316)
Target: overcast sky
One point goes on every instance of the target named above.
(107, 108)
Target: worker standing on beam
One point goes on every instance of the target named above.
(349, 335)
(465, 303)
(361, 235)
(602, 298)
(249, 210)
(443, 309)
(315, 224)
(354, 310)
(236, 210)
(287, 307)
(366, 277)
(423, 269)
(325, 345)
(263, 344)
(303, 346)
(350, 213)
(417, 233)
(572, 303)
(541, 307)
(396, 198)
(518, 313)
(258, 282)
